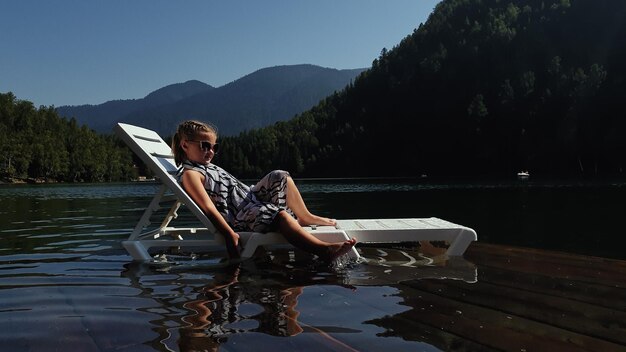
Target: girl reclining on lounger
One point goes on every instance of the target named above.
(274, 203)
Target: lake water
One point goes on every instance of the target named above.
(66, 283)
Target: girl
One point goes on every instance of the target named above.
(274, 203)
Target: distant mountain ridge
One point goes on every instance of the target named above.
(102, 117)
(258, 99)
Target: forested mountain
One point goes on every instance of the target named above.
(39, 145)
(256, 100)
(484, 87)
(103, 117)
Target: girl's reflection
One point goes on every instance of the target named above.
(229, 306)
(200, 307)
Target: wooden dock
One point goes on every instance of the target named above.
(523, 300)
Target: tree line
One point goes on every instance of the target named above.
(484, 87)
(37, 144)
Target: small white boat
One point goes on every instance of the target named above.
(523, 175)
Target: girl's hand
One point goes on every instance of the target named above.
(232, 246)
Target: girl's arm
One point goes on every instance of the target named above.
(193, 183)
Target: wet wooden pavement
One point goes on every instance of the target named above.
(523, 300)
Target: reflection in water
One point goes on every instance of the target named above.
(61, 288)
(60, 285)
(205, 304)
(393, 265)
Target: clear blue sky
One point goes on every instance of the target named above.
(70, 52)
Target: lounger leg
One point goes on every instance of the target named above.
(254, 240)
(145, 218)
(171, 215)
(137, 251)
(461, 242)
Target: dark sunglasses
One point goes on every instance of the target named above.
(206, 146)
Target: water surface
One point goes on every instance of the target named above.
(66, 283)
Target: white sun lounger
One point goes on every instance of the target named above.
(156, 154)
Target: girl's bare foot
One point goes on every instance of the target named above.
(338, 249)
(316, 220)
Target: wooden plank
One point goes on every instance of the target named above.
(596, 294)
(538, 254)
(487, 323)
(407, 327)
(586, 319)
(609, 272)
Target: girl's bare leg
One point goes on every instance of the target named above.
(297, 236)
(296, 204)
(289, 297)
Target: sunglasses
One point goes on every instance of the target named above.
(206, 146)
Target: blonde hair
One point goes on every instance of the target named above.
(188, 130)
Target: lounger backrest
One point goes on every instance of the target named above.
(157, 155)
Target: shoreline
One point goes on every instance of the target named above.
(28, 180)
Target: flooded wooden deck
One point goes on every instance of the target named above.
(523, 300)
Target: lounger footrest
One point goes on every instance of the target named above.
(410, 230)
